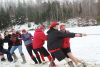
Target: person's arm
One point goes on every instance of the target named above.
(63, 34)
(71, 35)
(80, 34)
(31, 36)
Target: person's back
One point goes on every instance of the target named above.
(54, 41)
(38, 42)
(7, 39)
(38, 39)
(27, 38)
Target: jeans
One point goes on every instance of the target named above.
(15, 47)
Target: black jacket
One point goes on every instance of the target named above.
(1, 44)
(55, 38)
(7, 39)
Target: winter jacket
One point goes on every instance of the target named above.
(27, 38)
(55, 38)
(66, 41)
(39, 39)
(16, 40)
(1, 44)
(7, 39)
(18, 34)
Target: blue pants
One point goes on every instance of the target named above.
(15, 47)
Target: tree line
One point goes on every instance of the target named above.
(48, 11)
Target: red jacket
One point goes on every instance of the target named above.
(66, 42)
(39, 39)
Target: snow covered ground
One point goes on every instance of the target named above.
(86, 48)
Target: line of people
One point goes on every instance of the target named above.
(58, 45)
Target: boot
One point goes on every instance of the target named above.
(9, 57)
(15, 58)
(52, 64)
(70, 63)
(34, 59)
(23, 57)
(3, 59)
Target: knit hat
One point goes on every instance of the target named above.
(53, 24)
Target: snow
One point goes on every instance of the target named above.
(86, 48)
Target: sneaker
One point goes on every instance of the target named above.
(70, 63)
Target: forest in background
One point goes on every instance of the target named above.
(12, 14)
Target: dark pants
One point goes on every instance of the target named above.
(59, 55)
(4, 51)
(66, 50)
(30, 49)
(43, 51)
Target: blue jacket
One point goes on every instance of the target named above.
(27, 38)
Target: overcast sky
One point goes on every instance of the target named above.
(3, 2)
(29, 0)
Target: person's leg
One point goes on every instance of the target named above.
(37, 55)
(65, 51)
(42, 57)
(13, 48)
(13, 54)
(60, 56)
(21, 53)
(41, 54)
(74, 59)
(44, 53)
(9, 48)
(29, 49)
(52, 63)
(9, 57)
(2, 57)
